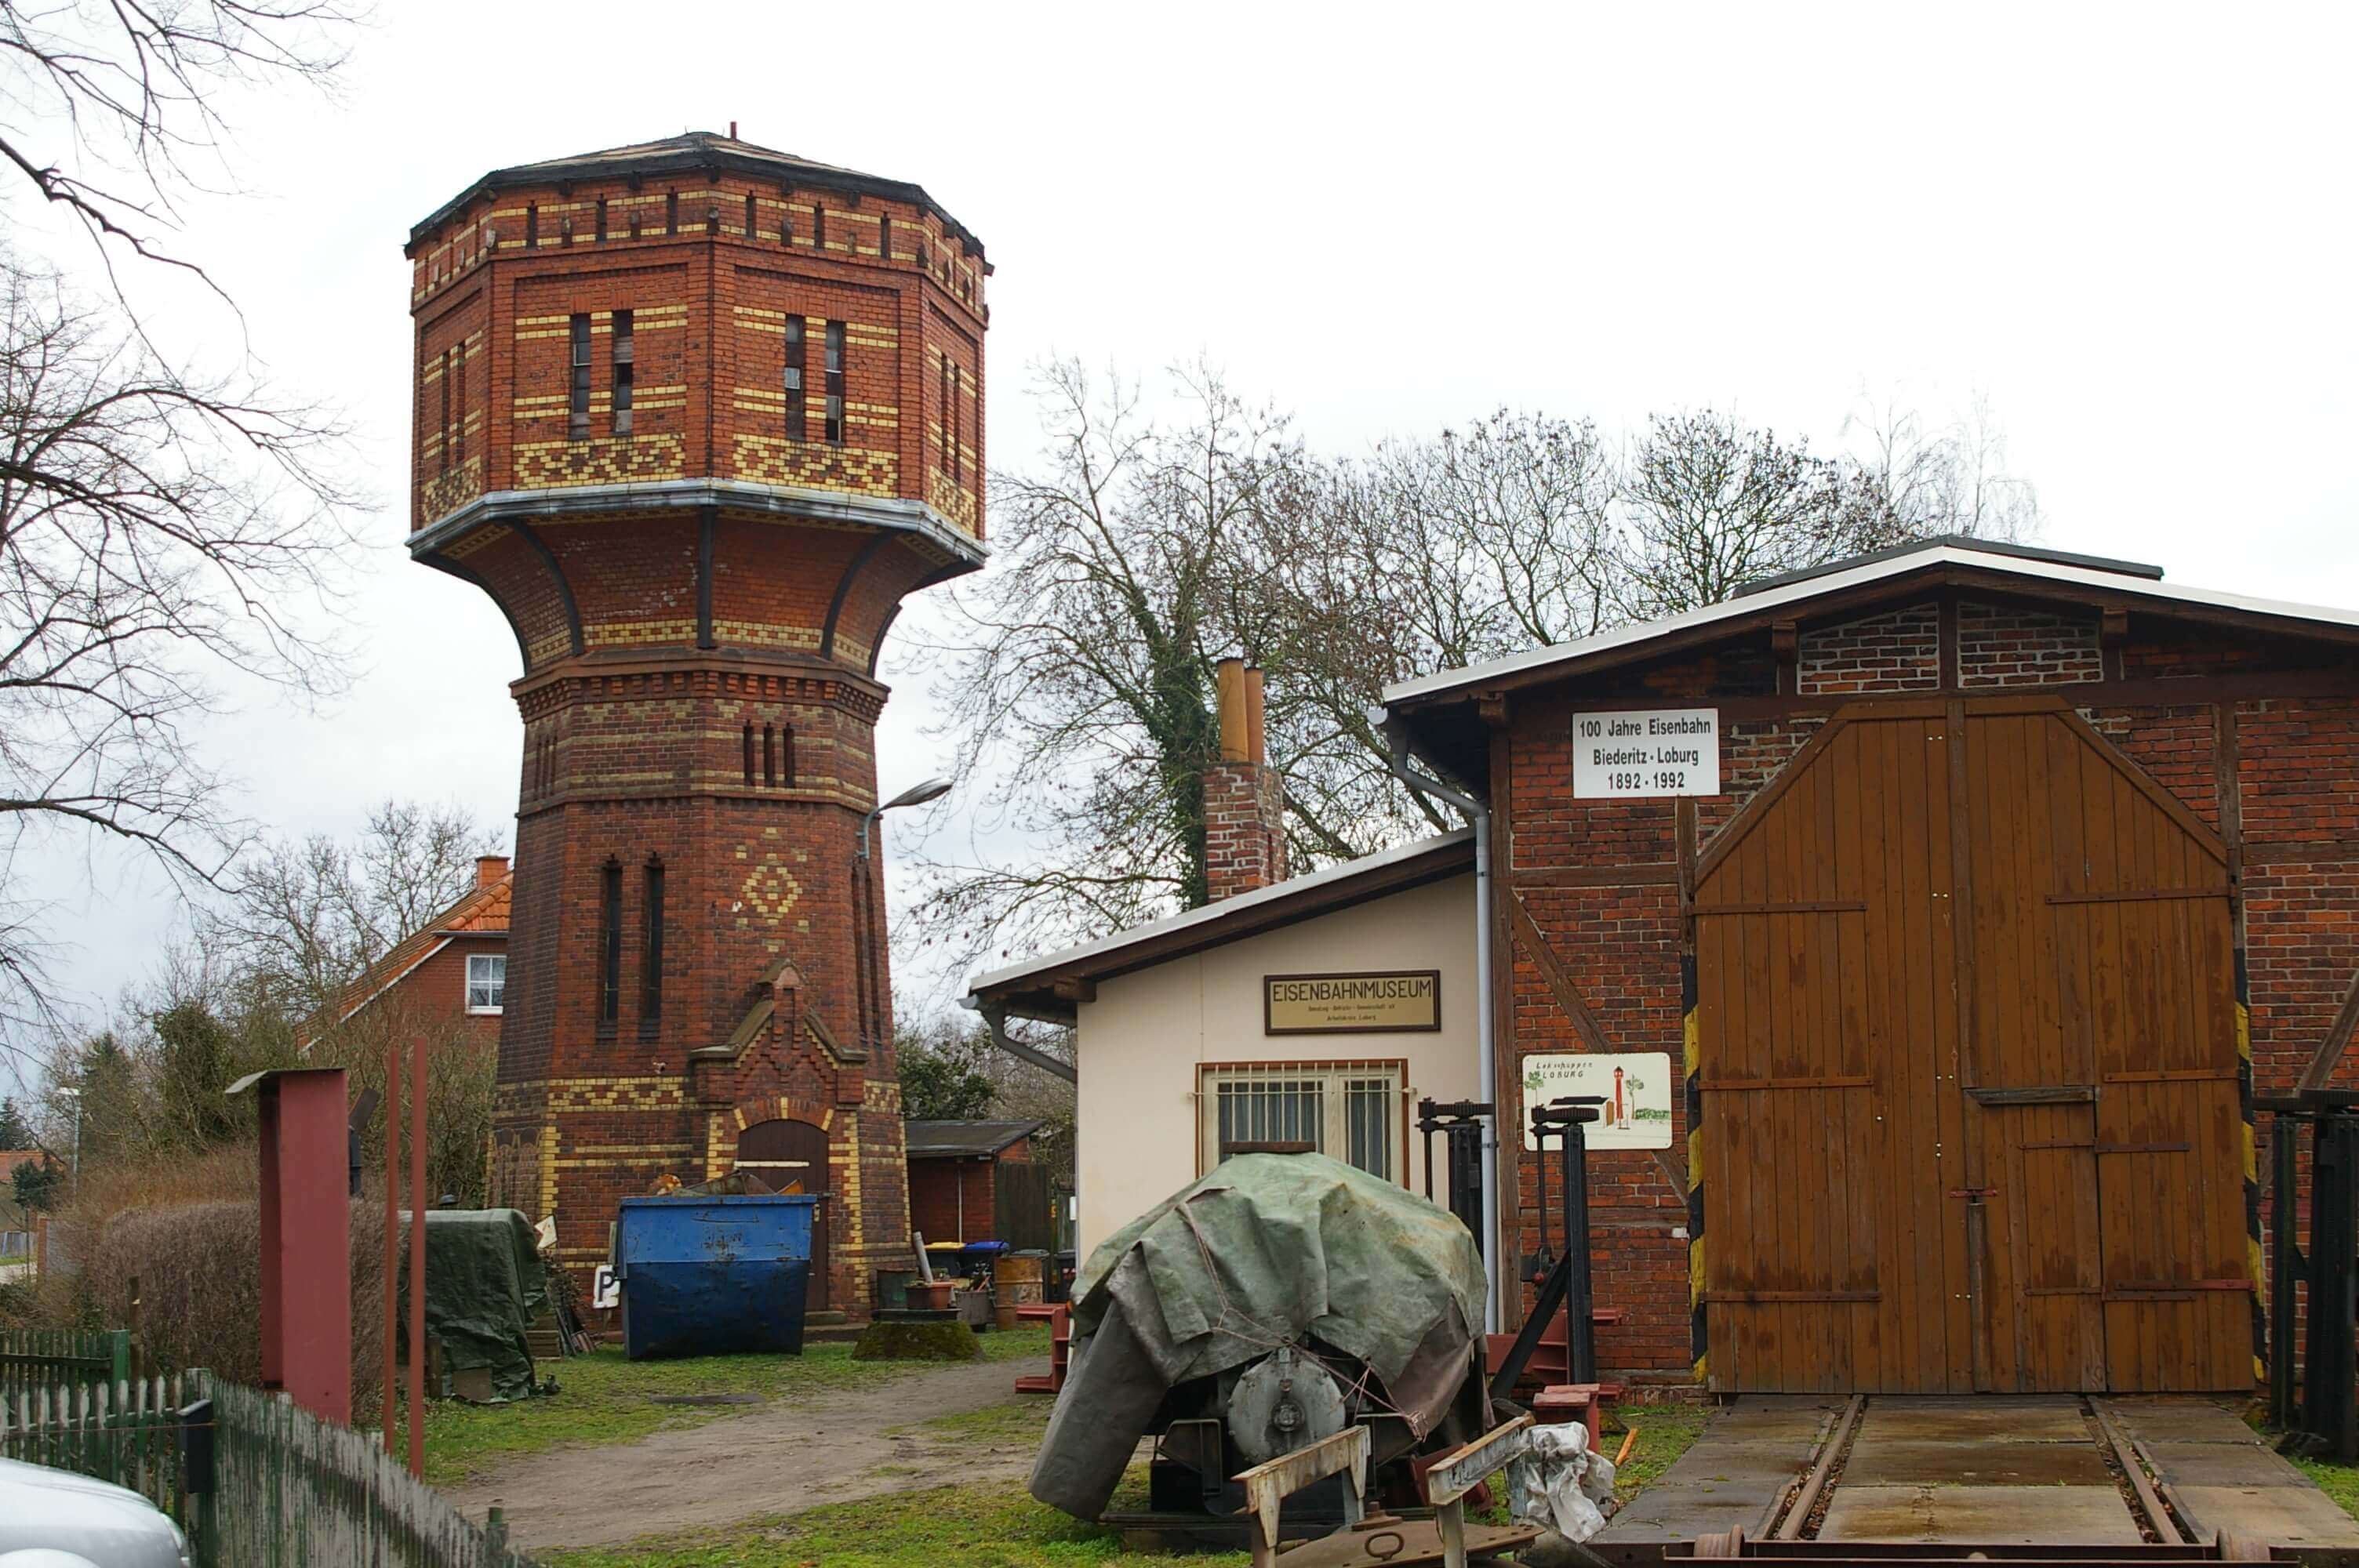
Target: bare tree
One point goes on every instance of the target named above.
(157, 534)
(1077, 672)
(304, 920)
(1077, 678)
(1934, 479)
(113, 111)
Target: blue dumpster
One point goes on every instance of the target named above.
(708, 1276)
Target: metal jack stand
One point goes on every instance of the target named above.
(1565, 1284)
(1460, 1122)
(2327, 1415)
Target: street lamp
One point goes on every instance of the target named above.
(916, 794)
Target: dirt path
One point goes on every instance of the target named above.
(777, 1460)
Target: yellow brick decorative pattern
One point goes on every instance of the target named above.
(816, 465)
(881, 1097)
(578, 1096)
(634, 633)
(459, 549)
(769, 890)
(444, 493)
(952, 500)
(547, 1167)
(616, 459)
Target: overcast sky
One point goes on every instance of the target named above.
(2131, 228)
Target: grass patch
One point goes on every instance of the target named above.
(2340, 1482)
(603, 1398)
(1665, 1432)
(1019, 1422)
(976, 1527)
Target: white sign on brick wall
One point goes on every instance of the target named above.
(1663, 751)
(1634, 1085)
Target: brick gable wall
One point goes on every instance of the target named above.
(1601, 880)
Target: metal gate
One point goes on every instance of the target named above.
(1972, 1068)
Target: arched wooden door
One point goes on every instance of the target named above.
(1971, 1069)
(791, 1156)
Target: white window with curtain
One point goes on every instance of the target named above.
(1350, 1111)
(487, 981)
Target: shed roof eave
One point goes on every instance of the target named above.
(1024, 989)
(1566, 659)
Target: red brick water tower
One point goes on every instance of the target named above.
(697, 415)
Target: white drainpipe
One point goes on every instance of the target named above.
(1496, 1256)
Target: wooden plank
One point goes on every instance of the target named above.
(2140, 895)
(1796, 906)
(1825, 1081)
(2035, 1094)
(1863, 1359)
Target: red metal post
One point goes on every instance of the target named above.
(392, 1225)
(418, 1258)
(307, 1242)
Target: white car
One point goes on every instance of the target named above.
(55, 1518)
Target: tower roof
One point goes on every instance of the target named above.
(693, 151)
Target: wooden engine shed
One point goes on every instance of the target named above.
(1982, 889)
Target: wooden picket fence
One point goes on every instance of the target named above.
(38, 1359)
(125, 1432)
(255, 1481)
(290, 1490)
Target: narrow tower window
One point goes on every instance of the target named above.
(770, 754)
(671, 212)
(944, 423)
(651, 974)
(786, 224)
(446, 411)
(958, 430)
(601, 220)
(750, 218)
(819, 227)
(622, 372)
(578, 406)
(885, 236)
(458, 403)
(531, 224)
(835, 382)
(794, 377)
(787, 755)
(610, 943)
(749, 756)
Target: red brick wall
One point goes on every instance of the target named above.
(708, 306)
(659, 634)
(1245, 828)
(2297, 773)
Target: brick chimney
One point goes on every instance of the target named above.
(1245, 803)
(490, 869)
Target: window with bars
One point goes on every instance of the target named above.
(487, 981)
(623, 373)
(796, 345)
(576, 408)
(1349, 1111)
(835, 382)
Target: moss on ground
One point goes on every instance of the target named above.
(917, 1342)
(603, 1398)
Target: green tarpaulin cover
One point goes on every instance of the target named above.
(483, 1287)
(1265, 1250)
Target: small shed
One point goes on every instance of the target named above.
(976, 1181)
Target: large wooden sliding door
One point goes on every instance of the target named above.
(1970, 1070)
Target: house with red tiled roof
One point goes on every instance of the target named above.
(457, 962)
